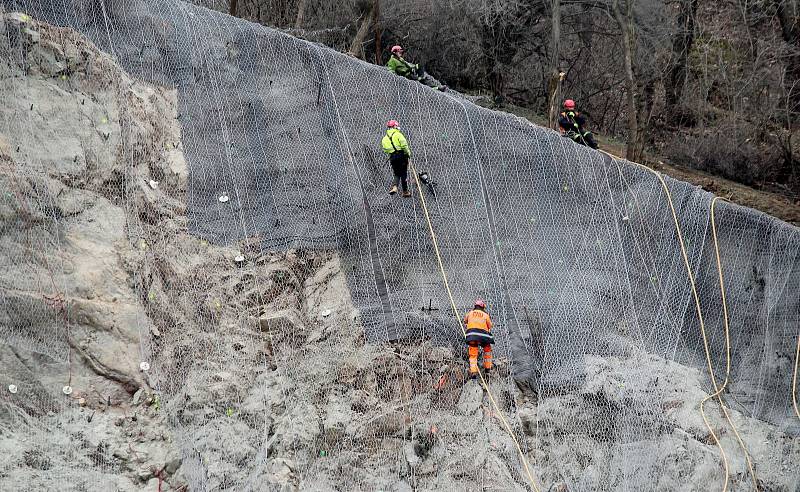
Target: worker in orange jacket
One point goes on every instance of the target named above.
(479, 334)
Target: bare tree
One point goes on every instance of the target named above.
(502, 27)
(556, 75)
(681, 46)
(623, 15)
(788, 13)
(376, 12)
(357, 45)
(301, 14)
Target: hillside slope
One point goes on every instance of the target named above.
(276, 371)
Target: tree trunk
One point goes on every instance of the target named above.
(376, 21)
(681, 47)
(357, 46)
(625, 23)
(233, 7)
(491, 49)
(555, 54)
(788, 13)
(301, 14)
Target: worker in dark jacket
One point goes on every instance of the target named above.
(398, 65)
(573, 125)
(479, 335)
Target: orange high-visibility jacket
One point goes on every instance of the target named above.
(478, 318)
(479, 327)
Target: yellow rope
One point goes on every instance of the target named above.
(458, 320)
(794, 379)
(702, 323)
(727, 343)
(718, 390)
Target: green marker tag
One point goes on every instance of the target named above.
(229, 411)
(104, 120)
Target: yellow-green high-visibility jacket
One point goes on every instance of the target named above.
(399, 66)
(394, 141)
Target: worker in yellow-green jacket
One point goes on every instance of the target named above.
(398, 65)
(395, 146)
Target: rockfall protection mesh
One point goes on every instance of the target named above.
(576, 253)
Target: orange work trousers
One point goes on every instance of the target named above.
(474, 351)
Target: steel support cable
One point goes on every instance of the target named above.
(718, 390)
(457, 315)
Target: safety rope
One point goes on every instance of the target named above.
(349, 154)
(699, 310)
(794, 379)
(457, 315)
(718, 394)
(718, 389)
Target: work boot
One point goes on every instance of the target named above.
(487, 370)
(473, 375)
(406, 194)
(393, 190)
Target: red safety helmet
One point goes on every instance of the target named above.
(569, 104)
(392, 124)
(397, 48)
(480, 303)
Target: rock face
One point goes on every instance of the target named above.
(80, 142)
(574, 251)
(201, 367)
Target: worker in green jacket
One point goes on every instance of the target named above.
(395, 146)
(402, 67)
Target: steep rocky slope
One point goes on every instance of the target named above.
(258, 375)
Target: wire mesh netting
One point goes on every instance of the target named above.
(578, 255)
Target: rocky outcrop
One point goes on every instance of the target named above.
(82, 145)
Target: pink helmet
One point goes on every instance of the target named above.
(392, 124)
(569, 104)
(397, 48)
(480, 303)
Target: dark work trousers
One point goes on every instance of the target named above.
(399, 162)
